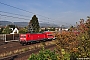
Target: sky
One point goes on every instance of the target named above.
(49, 11)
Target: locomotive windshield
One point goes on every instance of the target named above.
(50, 35)
(23, 36)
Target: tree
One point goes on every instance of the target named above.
(1, 30)
(71, 28)
(23, 30)
(7, 30)
(33, 26)
(12, 26)
(88, 25)
(66, 43)
(84, 39)
(44, 55)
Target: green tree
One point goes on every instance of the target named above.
(1, 30)
(7, 30)
(44, 55)
(12, 26)
(33, 25)
(23, 30)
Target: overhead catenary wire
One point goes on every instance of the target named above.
(18, 15)
(32, 12)
(21, 9)
(24, 10)
(13, 17)
(14, 14)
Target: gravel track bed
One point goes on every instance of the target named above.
(11, 46)
(25, 55)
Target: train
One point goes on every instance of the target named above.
(36, 37)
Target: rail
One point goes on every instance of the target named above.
(15, 56)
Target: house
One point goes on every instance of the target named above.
(15, 31)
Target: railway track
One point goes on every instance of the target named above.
(10, 46)
(1, 42)
(25, 55)
(14, 46)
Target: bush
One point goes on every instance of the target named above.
(44, 55)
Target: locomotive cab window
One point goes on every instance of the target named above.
(23, 36)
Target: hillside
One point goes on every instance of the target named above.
(23, 24)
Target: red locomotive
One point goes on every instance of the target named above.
(34, 37)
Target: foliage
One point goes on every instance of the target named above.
(76, 41)
(71, 28)
(84, 39)
(66, 56)
(44, 55)
(23, 30)
(12, 26)
(73, 56)
(33, 25)
(1, 30)
(66, 40)
(42, 31)
(71, 44)
(88, 26)
(7, 30)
